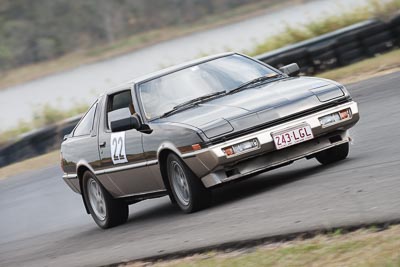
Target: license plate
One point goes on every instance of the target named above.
(292, 136)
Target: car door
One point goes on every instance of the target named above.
(121, 153)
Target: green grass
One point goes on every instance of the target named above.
(49, 114)
(45, 115)
(329, 23)
(361, 248)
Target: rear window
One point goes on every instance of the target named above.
(85, 125)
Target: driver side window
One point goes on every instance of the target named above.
(118, 101)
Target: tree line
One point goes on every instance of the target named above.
(36, 30)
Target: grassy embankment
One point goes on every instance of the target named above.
(366, 247)
(365, 69)
(46, 115)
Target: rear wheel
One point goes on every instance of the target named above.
(187, 189)
(333, 154)
(106, 211)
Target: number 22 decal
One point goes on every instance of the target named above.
(118, 152)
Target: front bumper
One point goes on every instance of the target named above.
(214, 167)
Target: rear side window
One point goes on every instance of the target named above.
(85, 125)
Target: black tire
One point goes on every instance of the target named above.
(321, 49)
(395, 21)
(379, 48)
(396, 32)
(294, 54)
(307, 70)
(325, 61)
(112, 212)
(344, 47)
(300, 61)
(379, 38)
(299, 56)
(351, 57)
(345, 38)
(372, 29)
(333, 154)
(272, 61)
(187, 189)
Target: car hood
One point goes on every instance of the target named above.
(258, 105)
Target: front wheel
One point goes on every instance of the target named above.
(187, 189)
(106, 211)
(333, 154)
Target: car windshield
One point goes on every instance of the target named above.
(162, 94)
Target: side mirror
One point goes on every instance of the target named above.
(122, 120)
(291, 69)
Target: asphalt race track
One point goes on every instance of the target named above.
(43, 222)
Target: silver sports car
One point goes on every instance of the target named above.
(186, 129)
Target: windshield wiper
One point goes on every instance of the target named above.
(253, 82)
(192, 102)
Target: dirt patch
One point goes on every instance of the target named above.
(368, 68)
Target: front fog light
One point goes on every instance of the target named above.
(328, 119)
(241, 147)
(335, 117)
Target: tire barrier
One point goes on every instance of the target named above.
(328, 51)
(37, 142)
(338, 48)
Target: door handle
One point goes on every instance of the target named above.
(102, 144)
